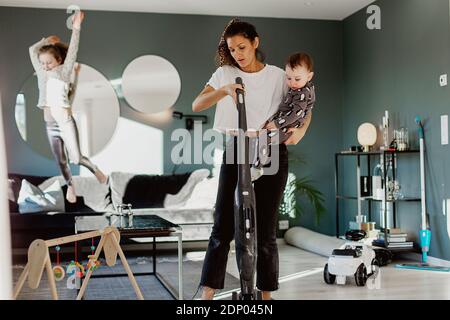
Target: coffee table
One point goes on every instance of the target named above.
(148, 226)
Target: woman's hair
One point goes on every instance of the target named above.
(58, 50)
(300, 59)
(233, 28)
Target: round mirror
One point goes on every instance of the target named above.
(150, 84)
(95, 108)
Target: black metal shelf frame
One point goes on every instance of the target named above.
(385, 154)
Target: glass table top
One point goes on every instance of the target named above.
(124, 223)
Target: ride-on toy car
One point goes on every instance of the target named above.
(354, 258)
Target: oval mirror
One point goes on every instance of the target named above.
(150, 84)
(95, 108)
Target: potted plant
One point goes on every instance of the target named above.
(305, 189)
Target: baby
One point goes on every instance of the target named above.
(292, 111)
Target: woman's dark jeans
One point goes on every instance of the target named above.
(268, 192)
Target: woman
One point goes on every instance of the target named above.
(238, 56)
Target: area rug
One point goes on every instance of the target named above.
(119, 288)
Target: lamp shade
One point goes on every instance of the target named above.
(367, 134)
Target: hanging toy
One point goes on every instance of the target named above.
(58, 270)
(75, 271)
(80, 272)
(92, 247)
(92, 263)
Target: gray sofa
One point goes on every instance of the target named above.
(146, 193)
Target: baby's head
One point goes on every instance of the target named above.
(299, 70)
(52, 55)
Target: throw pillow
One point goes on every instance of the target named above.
(32, 199)
(15, 183)
(179, 200)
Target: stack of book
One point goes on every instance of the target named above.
(395, 239)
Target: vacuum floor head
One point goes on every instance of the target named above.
(422, 266)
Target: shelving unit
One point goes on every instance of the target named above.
(383, 155)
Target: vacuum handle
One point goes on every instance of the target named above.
(420, 129)
(240, 105)
(240, 93)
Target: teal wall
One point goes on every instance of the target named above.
(110, 40)
(397, 68)
(359, 74)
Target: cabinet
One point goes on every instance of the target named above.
(384, 156)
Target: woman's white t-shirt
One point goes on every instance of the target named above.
(264, 91)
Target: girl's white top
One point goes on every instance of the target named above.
(54, 85)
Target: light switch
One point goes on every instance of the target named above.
(443, 80)
(444, 129)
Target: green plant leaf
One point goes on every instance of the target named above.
(306, 188)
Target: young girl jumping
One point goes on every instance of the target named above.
(54, 64)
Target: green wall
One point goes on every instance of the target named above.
(397, 68)
(110, 40)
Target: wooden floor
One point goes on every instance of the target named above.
(301, 277)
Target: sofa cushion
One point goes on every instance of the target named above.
(144, 191)
(179, 199)
(33, 199)
(14, 185)
(204, 194)
(91, 195)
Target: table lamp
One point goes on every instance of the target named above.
(367, 135)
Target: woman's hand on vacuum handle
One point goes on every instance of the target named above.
(230, 90)
(210, 96)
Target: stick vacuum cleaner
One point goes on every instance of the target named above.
(244, 210)
(425, 231)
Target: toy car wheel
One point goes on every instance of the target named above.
(361, 275)
(327, 276)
